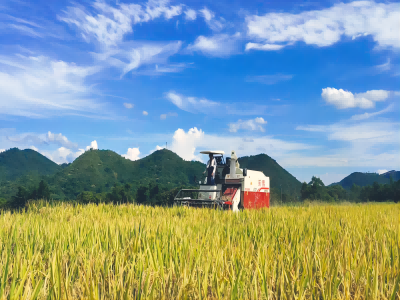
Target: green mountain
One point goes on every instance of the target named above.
(98, 170)
(278, 175)
(15, 163)
(364, 179)
(394, 174)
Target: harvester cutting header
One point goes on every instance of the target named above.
(227, 186)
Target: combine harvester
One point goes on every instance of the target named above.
(234, 188)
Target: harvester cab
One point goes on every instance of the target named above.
(233, 189)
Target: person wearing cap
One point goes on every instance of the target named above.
(211, 169)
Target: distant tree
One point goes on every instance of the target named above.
(43, 191)
(87, 197)
(19, 200)
(4, 203)
(141, 195)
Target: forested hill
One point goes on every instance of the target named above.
(278, 175)
(364, 179)
(15, 163)
(98, 170)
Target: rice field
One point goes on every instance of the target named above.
(136, 252)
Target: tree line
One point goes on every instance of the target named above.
(316, 190)
(152, 194)
(155, 194)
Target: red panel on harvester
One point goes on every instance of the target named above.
(262, 199)
(255, 200)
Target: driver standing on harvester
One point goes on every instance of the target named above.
(211, 168)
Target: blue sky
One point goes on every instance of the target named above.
(315, 85)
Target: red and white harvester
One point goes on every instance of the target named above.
(234, 188)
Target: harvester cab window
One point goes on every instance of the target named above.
(220, 160)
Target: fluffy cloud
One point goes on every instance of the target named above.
(184, 144)
(188, 144)
(65, 155)
(2, 150)
(192, 104)
(325, 27)
(132, 154)
(145, 113)
(219, 45)
(128, 105)
(253, 124)
(60, 140)
(344, 99)
(39, 87)
(93, 145)
(163, 116)
(190, 14)
(43, 139)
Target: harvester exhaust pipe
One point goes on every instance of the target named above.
(233, 164)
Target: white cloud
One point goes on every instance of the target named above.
(128, 105)
(190, 14)
(370, 115)
(142, 55)
(212, 22)
(62, 155)
(192, 104)
(207, 14)
(93, 145)
(253, 124)
(163, 116)
(219, 45)
(203, 105)
(184, 144)
(60, 140)
(145, 113)
(265, 47)
(34, 148)
(188, 144)
(326, 27)
(382, 171)
(358, 144)
(65, 155)
(109, 24)
(345, 99)
(269, 79)
(365, 133)
(42, 139)
(384, 67)
(2, 150)
(157, 148)
(132, 154)
(39, 87)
